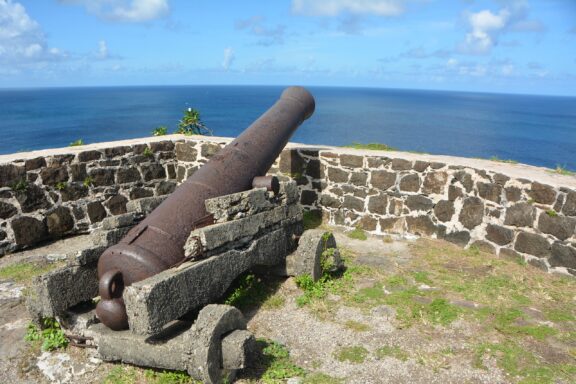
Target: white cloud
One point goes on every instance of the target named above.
(357, 7)
(268, 35)
(133, 11)
(229, 57)
(102, 50)
(21, 38)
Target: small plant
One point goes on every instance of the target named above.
(551, 213)
(394, 352)
(20, 186)
(191, 124)
(357, 234)
(371, 146)
(160, 131)
(51, 335)
(311, 219)
(76, 143)
(148, 152)
(279, 366)
(88, 181)
(356, 354)
(61, 186)
(561, 170)
(508, 161)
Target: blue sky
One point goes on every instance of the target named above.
(511, 46)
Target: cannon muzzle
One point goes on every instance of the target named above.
(157, 242)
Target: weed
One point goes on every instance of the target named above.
(371, 146)
(392, 351)
(76, 143)
(358, 234)
(20, 186)
(320, 378)
(559, 315)
(20, 272)
(277, 361)
(509, 161)
(88, 181)
(356, 354)
(561, 170)
(121, 375)
(311, 219)
(440, 311)
(61, 186)
(167, 377)
(357, 326)
(148, 152)
(160, 131)
(249, 291)
(551, 213)
(421, 277)
(274, 302)
(51, 335)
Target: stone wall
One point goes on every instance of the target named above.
(512, 210)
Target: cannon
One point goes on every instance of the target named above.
(157, 243)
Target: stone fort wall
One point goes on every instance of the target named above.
(512, 210)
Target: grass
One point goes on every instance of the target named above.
(251, 291)
(355, 354)
(21, 272)
(311, 219)
(561, 170)
(126, 374)
(76, 143)
(393, 352)
(371, 146)
(508, 161)
(88, 181)
(20, 186)
(320, 378)
(148, 152)
(356, 326)
(358, 234)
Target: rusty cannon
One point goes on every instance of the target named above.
(156, 244)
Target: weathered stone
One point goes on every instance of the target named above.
(499, 235)
(116, 151)
(354, 203)
(28, 230)
(383, 179)
(351, 161)
(490, 191)
(542, 193)
(32, 198)
(520, 215)
(392, 225)
(186, 152)
(460, 238)
(368, 223)
(6, 193)
(395, 207)
(484, 246)
(401, 165)
(78, 212)
(329, 201)
(313, 169)
(110, 163)
(410, 183)
(472, 212)
(11, 174)
(337, 175)
(377, 162)
(209, 149)
(377, 204)
(510, 254)
(465, 179)
(96, 212)
(165, 187)
(435, 182)
(128, 175)
(139, 192)
(559, 203)
(359, 179)
(36, 163)
(53, 176)
(419, 203)
(308, 197)
(421, 225)
(560, 226)
(73, 191)
(563, 256)
(153, 171)
(89, 156)
(437, 165)
(117, 204)
(513, 194)
(500, 179)
(101, 176)
(145, 205)
(532, 244)
(538, 263)
(420, 166)
(454, 192)
(3, 235)
(59, 221)
(78, 172)
(444, 210)
(569, 208)
(165, 145)
(7, 210)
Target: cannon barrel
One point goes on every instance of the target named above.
(156, 243)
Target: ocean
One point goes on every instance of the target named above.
(537, 130)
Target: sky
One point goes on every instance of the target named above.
(501, 46)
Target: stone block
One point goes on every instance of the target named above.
(186, 152)
(395, 207)
(435, 182)
(500, 179)
(7, 210)
(153, 171)
(165, 187)
(444, 210)
(36, 163)
(313, 169)
(520, 215)
(329, 201)
(377, 204)
(484, 246)
(54, 175)
(421, 225)
(145, 205)
(513, 194)
(101, 176)
(368, 223)
(159, 146)
(460, 238)
(569, 208)
(140, 192)
(542, 193)
(377, 162)
(499, 235)
(117, 151)
(88, 156)
(117, 204)
(383, 179)
(32, 198)
(410, 183)
(11, 174)
(419, 203)
(337, 175)
(353, 203)
(401, 165)
(73, 191)
(28, 230)
(308, 197)
(563, 256)
(465, 179)
(559, 226)
(472, 212)
(96, 211)
(359, 179)
(532, 244)
(351, 161)
(490, 191)
(78, 172)
(209, 149)
(420, 166)
(392, 224)
(128, 175)
(437, 165)
(59, 221)
(454, 192)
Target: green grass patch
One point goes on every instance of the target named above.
(249, 291)
(371, 146)
(20, 272)
(276, 358)
(168, 377)
(421, 277)
(355, 354)
(311, 219)
(561, 170)
(357, 233)
(441, 312)
(321, 378)
(551, 213)
(76, 143)
(392, 351)
(121, 374)
(357, 326)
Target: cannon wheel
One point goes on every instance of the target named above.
(213, 323)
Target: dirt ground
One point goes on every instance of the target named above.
(405, 311)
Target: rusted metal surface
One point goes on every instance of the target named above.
(156, 244)
(271, 183)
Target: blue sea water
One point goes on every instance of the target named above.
(537, 130)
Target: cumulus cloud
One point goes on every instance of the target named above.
(132, 11)
(358, 7)
(267, 35)
(229, 57)
(21, 38)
